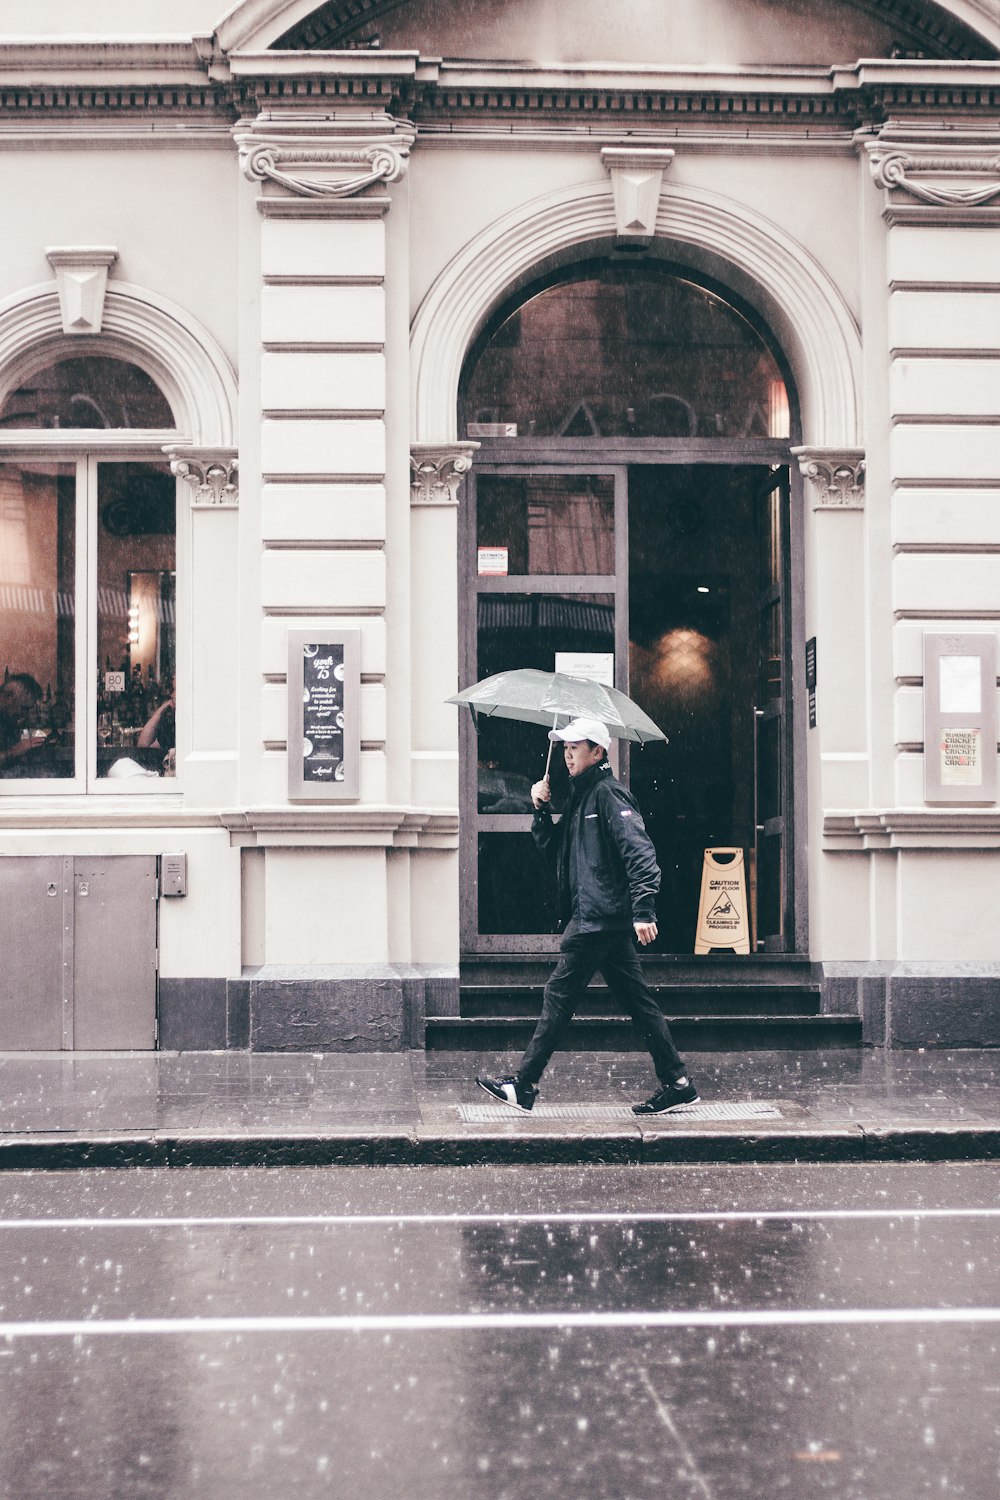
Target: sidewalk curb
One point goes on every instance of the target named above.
(853, 1143)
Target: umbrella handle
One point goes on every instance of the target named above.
(548, 758)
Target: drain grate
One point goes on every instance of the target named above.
(486, 1114)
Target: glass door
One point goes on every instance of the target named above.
(541, 576)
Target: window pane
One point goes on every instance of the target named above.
(92, 391)
(516, 892)
(136, 630)
(628, 352)
(526, 630)
(37, 619)
(556, 525)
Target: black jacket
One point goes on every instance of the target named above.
(605, 862)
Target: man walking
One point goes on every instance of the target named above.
(608, 878)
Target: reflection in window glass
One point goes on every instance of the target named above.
(92, 391)
(37, 619)
(550, 524)
(136, 620)
(628, 352)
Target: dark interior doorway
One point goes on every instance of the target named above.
(705, 661)
(689, 603)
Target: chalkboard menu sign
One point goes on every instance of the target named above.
(324, 732)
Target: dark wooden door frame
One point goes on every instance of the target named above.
(616, 456)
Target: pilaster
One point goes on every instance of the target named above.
(324, 175)
(437, 472)
(208, 540)
(839, 615)
(323, 321)
(941, 205)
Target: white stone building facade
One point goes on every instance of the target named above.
(304, 232)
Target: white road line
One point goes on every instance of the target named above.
(349, 1221)
(816, 1317)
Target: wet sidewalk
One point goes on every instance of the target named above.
(237, 1108)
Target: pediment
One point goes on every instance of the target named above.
(683, 33)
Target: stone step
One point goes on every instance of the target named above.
(511, 1001)
(610, 1033)
(751, 970)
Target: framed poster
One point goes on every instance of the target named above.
(960, 717)
(324, 725)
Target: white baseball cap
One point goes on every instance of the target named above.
(583, 729)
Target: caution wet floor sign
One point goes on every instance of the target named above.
(722, 910)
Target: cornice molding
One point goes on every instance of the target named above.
(393, 827)
(926, 828)
(837, 476)
(437, 469)
(126, 78)
(357, 827)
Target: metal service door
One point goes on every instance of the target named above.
(31, 941)
(78, 937)
(114, 954)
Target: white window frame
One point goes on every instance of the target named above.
(89, 448)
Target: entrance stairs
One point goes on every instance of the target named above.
(718, 1003)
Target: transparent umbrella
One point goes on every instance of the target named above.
(553, 698)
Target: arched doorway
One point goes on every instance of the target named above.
(628, 516)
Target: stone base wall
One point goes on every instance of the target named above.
(909, 1005)
(328, 1008)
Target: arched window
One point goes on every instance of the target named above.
(87, 578)
(92, 391)
(616, 350)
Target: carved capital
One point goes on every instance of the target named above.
(948, 179)
(837, 476)
(329, 171)
(437, 469)
(81, 273)
(211, 473)
(636, 183)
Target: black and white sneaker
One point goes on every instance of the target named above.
(670, 1096)
(510, 1091)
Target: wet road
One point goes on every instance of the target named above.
(437, 1333)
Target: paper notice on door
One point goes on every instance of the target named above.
(961, 684)
(492, 561)
(961, 757)
(596, 666)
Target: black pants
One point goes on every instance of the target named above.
(581, 956)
